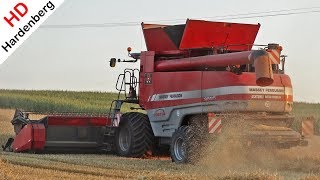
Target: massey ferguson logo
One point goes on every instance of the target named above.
(159, 113)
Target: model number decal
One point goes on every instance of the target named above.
(265, 97)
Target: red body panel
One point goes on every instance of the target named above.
(205, 34)
(23, 140)
(157, 39)
(164, 82)
(78, 121)
(215, 79)
(181, 82)
(39, 136)
(197, 34)
(34, 136)
(31, 137)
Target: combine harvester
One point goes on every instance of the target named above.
(192, 75)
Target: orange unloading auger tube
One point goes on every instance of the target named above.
(260, 59)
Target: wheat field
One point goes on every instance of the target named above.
(227, 161)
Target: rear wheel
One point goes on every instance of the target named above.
(134, 136)
(189, 141)
(181, 145)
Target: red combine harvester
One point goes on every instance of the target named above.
(192, 75)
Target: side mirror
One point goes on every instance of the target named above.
(113, 62)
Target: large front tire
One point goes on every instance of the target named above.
(134, 136)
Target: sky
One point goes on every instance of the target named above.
(78, 59)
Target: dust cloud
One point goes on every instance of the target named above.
(229, 152)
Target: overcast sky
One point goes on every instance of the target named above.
(77, 59)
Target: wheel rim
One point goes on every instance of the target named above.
(124, 139)
(179, 149)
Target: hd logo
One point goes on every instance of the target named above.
(18, 20)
